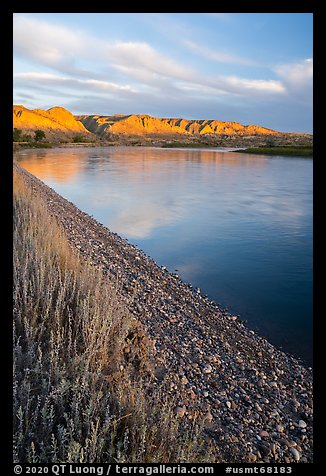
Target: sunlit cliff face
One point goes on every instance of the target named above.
(144, 124)
(58, 123)
(54, 120)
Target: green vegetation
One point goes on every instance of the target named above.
(39, 135)
(79, 138)
(77, 397)
(20, 136)
(187, 145)
(21, 139)
(295, 151)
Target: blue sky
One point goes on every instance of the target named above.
(254, 68)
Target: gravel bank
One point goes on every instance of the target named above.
(254, 401)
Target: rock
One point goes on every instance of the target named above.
(207, 369)
(264, 434)
(280, 428)
(264, 448)
(296, 454)
(208, 418)
(228, 404)
(302, 424)
(252, 458)
(180, 411)
(291, 444)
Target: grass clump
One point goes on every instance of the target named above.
(76, 399)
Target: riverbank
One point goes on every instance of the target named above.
(288, 151)
(250, 142)
(254, 401)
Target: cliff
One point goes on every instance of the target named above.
(146, 125)
(60, 125)
(55, 122)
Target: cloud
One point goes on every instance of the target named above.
(72, 83)
(135, 77)
(298, 79)
(135, 56)
(297, 74)
(216, 55)
(234, 85)
(47, 44)
(136, 62)
(243, 85)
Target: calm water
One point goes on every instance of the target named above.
(237, 226)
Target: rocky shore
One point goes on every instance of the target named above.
(254, 401)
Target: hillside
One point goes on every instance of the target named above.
(56, 122)
(147, 125)
(60, 125)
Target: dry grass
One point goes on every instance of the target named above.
(76, 399)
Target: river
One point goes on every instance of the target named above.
(238, 226)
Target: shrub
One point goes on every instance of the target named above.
(17, 133)
(39, 135)
(78, 138)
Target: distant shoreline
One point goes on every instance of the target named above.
(291, 151)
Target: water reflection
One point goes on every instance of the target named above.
(238, 226)
(145, 171)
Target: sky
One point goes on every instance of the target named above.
(253, 68)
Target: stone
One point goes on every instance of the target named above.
(207, 369)
(296, 454)
(208, 418)
(180, 411)
(252, 458)
(302, 424)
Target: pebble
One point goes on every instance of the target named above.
(302, 424)
(252, 458)
(208, 417)
(180, 411)
(296, 454)
(207, 369)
